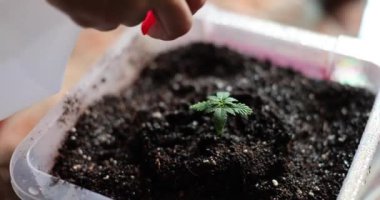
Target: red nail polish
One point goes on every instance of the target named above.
(148, 22)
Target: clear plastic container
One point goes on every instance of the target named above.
(315, 55)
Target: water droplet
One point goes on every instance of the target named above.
(33, 191)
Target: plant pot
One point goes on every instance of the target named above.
(314, 55)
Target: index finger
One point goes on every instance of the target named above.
(195, 5)
(174, 19)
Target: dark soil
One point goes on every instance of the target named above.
(147, 144)
(6, 191)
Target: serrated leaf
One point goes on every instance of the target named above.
(230, 111)
(201, 106)
(222, 95)
(213, 98)
(242, 109)
(230, 100)
(210, 109)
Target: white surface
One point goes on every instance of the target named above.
(35, 43)
(315, 55)
(370, 29)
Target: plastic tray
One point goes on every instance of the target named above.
(315, 55)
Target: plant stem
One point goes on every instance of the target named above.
(219, 124)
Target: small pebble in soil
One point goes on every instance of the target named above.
(77, 167)
(275, 182)
(299, 191)
(157, 115)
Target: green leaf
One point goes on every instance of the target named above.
(210, 109)
(221, 106)
(201, 106)
(242, 109)
(230, 100)
(230, 111)
(222, 95)
(213, 98)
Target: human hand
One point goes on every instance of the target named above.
(174, 17)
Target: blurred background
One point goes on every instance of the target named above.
(333, 17)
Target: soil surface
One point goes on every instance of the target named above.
(147, 144)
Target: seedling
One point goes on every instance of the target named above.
(221, 106)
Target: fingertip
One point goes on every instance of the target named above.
(183, 29)
(98, 25)
(158, 32)
(106, 27)
(174, 19)
(195, 5)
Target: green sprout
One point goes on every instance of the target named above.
(221, 105)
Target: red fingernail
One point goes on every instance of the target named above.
(148, 22)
